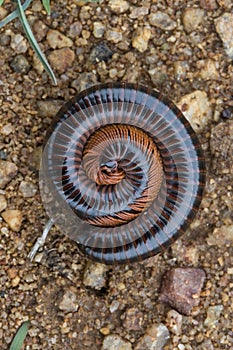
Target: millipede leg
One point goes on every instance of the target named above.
(41, 240)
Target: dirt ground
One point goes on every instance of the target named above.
(73, 303)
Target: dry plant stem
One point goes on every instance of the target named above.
(41, 240)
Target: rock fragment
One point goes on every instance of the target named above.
(196, 109)
(209, 5)
(7, 129)
(114, 35)
(133, 319)
(162, 20)
(8, 171)
(174, 322)
(75, 29)
(118, 6)
(84, 81)
(221, 236)
(49, 108)
(100, 52)
(19, 43)
(95, 275)
(28, 189)
(68, 302)
(181, 288)
(141, 39)
(13, 218)
(57, 40)
(115, 342)
(155, 338)
(213, 314)
(98, 29)
(139, 12)
(224, 28)
(207, 69)
(62, 59)
(20, 64)
(192, 18)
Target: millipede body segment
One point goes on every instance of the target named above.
(122, 172)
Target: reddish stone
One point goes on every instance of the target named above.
(181, 288)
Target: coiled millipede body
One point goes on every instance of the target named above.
(122, 172)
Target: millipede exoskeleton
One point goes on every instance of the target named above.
(122, 172)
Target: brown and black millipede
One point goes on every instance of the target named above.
(122, 172)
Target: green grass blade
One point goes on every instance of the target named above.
(33, 41)
(20, 336)
(13, 14)
(46, 4)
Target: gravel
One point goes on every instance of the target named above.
(72, 303)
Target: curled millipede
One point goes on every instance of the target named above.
(122, 172)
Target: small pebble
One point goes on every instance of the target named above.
(57, 40)
(155, 338)
(98, 29)
(209, 5)
(20, 64)
(15, 281)
(139, 12)
(62, 59)
(3, 203)
(7, 129)
(133, 319)
(84, 81)
(100, 52)
(37, 65)
(40, 30)
(141, 39)
(118, 6)
(206, 345)
(162, 20)
(19, 43)
(213, 314)
(192, 18)
(68, 302)
(196, 109)
(207, 69)
(221, 236)
(158, 75)
(115, 342)
(174, 322)
(12, 272)
(8, 171)
(227, 113)
(181, 288)
(13, 218)
(114, 306)
(49, 108)
(105, 330)
(188, 254)
(75, 29)
(224, 28)
(114, 35)
(28, 189)
(181, 69)
(95, 275)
